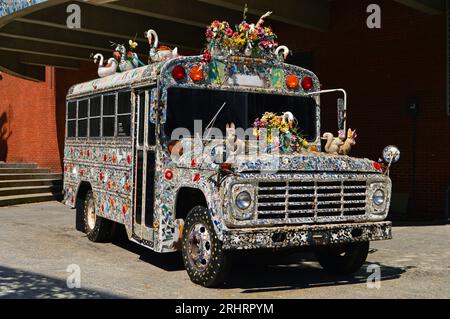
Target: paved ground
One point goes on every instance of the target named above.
(38, 242)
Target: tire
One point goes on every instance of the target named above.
(343, 259)
(210, 267)
(96, 228)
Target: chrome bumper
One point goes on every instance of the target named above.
(305, 235)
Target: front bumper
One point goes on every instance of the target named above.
(305, 235)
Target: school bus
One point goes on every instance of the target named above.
(126, 162)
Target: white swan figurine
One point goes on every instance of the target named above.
(285, 50)
(109, 69)
(159, 53)
(120, 54)
(289, 118)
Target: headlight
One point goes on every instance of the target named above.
(243, 200)
(378, 197)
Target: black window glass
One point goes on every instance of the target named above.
(141, 117)
(82, 128)
(124, 104)
(108, 126)
(71, 128)
(187, 105)
(83, 109)
(94, 127)
(123, 125)
(150, 189)
(72, 110)
(94, 109)
(151, 134)
(109, 104)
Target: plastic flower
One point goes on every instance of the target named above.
(280, 134)
(207, 58)
(229, 32)
(133, 44)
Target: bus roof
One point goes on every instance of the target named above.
(248, 73)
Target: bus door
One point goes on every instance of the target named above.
(145, 161)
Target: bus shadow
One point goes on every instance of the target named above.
(297, 272)
(20, 284)
(167, 261)
(257, 272)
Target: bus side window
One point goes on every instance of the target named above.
(141, 116)
(151, 125)
(71, 119)
(83, 107)
(108, 116)
(94, 117)
(144, 102)
(124, 114)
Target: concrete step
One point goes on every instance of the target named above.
(6, 177)
(29, 198)
(14, 191)
(30, 182)
(18, 170)
(18, 165)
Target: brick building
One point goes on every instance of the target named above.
(384, 70)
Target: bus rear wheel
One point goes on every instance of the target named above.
(205, 261)
(96, 228)
(343, 259)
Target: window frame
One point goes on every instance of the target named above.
(83, 118)
(130, 114)
(71, 120)
(101, 117)
(115, 94)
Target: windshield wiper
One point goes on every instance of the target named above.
(213, 121)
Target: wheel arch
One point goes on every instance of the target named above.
(188, 198)
(83, 188)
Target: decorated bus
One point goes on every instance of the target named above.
(220, 152)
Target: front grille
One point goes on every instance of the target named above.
(315, 200)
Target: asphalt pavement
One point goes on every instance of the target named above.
(40, 252)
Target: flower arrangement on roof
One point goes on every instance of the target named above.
(282, 132)
(251, 40)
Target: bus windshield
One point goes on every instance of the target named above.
(184, 106)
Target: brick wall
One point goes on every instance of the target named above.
(64, 80)
(381, 69)
(28, 121)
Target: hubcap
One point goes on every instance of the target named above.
(91, 216)
(199, 246)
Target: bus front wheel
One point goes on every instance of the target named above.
(96, 228)
(343, 259)
(205, 261)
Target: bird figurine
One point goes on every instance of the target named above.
(159, 53)
(289, 118)
(285, 53)
(109, 69)
(120, 54)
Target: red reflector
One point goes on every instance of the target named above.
(377, 166)
(307, 83)
(178, 73)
